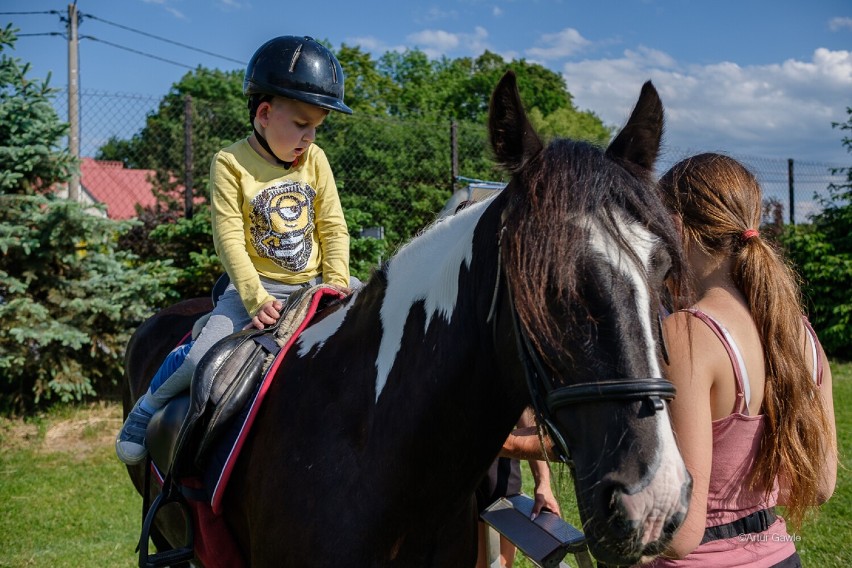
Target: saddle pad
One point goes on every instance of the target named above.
(214, 543)
(218, 472)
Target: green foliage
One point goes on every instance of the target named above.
(836, 218)
(190, 243)
(822, 254)
(29, 128)
(68, 298)
(167, 236)
(827, 280)
(217, 117)
(569, 123)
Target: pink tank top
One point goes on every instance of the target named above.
(736, 439)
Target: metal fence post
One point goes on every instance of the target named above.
(792, 187)
(454, 155)
(187, 154)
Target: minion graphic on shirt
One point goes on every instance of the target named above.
(282, 222)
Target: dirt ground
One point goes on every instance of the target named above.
(78, 430)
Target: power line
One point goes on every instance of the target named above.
(27, 13)
(136, 51)
(163, 39)
(43, 34)
(125, 48)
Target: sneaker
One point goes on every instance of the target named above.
(130, 443)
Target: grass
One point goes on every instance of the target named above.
(66, 501)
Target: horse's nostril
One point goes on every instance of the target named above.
(621, 514)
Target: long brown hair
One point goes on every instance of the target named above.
(719, 202)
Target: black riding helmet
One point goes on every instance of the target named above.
(298, 68)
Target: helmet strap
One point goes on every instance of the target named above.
(265, 145)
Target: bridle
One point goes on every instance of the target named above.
(547, 400)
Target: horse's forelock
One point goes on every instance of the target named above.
(546, 238)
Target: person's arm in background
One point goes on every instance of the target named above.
(524, 444)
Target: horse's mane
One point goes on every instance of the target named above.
(568, 181)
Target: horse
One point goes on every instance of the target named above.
(391, 405)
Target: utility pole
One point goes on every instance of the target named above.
(791, 185)
(73, 101)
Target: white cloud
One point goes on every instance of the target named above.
(176, 13)
(170, 9)
(838, 24)
(373, 44)
(437, 43)
(496, 11)
(229, 5)
(434, 41)
(434, 14)
(765, 110)
(559, 45)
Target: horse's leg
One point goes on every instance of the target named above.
(458, 540)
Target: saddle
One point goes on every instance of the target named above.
(183, 434)
(180, 435)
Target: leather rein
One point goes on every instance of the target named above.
(547, 400)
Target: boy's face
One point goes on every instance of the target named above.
(289, 126)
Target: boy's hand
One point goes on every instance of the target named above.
(268, 314)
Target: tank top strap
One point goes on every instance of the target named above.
(814, 340)
(743, 387)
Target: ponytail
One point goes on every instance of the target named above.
(794, 443)
(719, 202)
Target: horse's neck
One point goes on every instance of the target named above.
(421, 324)
(432, 358)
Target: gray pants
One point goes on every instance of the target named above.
(229, 316)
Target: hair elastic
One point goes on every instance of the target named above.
(748, 234)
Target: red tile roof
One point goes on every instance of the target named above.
(119, 188)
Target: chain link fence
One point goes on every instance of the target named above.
(393, 175)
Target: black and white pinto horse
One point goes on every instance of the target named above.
(390, 407)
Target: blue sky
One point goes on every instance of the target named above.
(752, 78)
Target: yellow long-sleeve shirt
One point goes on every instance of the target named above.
(283, 224)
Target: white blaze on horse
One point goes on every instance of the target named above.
(393, 403)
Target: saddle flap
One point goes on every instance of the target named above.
(244, 371)
(161, 435)
(223, 381)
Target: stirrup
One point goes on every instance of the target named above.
(170, 494)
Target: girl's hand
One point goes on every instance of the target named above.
(267, 315)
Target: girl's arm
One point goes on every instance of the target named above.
(691, 370)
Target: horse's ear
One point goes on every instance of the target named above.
(639, 141)
(512, 136)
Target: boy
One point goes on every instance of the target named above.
(276, 215)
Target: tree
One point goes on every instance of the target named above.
(68, 296)
(28, 128)
(836, 218)
(822, 254)
(391, 158)
(219, 117)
